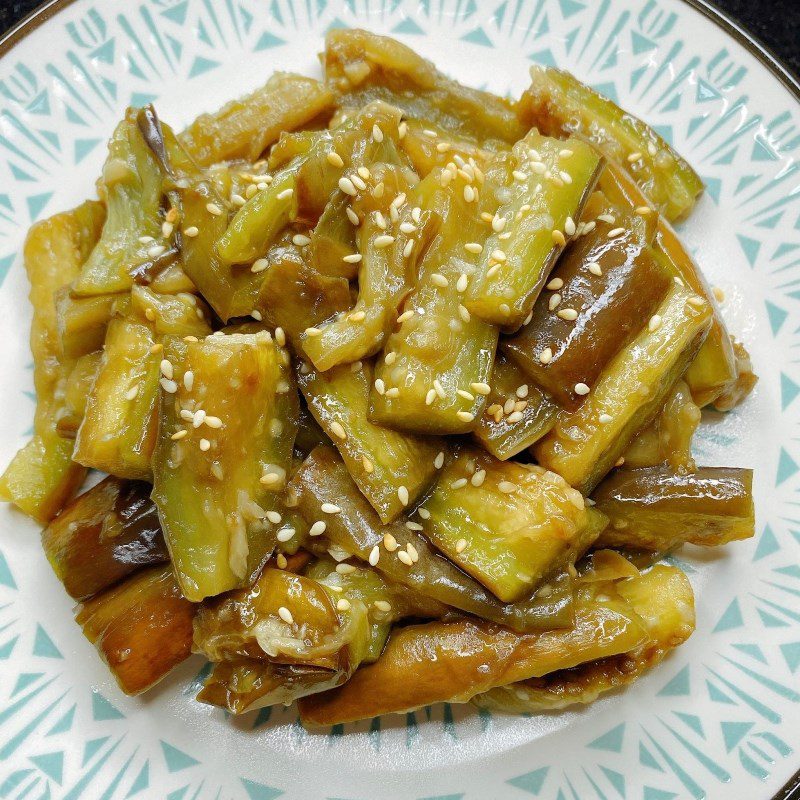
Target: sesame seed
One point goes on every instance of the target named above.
(358, 182)
(632, 157)
(412, 551)
(367, 464)
(390, 358)
(546, 356)
(615, 232)
(655, 323)
(237, 200)
(286, 615)
(389, 542)
(430, 397)
(473, 247)
(170, 387)
(416, 214)
(186, 415)
(429, 133)
(345, 569)
(565, 176)
(179, 435)
(205, 445)
(198, 418)
(555, 284)
(437, 279)
(393, 392)
(478, 478)
(329, 508)
(459, 483)
(558, 237)
(251, 191)
(581, 389)
(438, 462)
(414, 526)
(463, 312)
(588, 227)
(514, 416)
(408, 248)
(439, 389)
(643, 210)
(519, 175)
(402, 495)
(569, 314)
(402, 130)
(569, 226)
(424, 513)
(357, 316)
(696, 301)
(311, 332)
(554, 301)
(259, 265)
(462, 282)
(383, 241)
(146, 239)
(300, 240)
(506, 487)
(498, 255)
(213, 422)
(166, 229)
(443, 147)
(465, 416)
(318, 528)
(595, 268)
(285, 534)
(132, 392)
(466, 395)
(214, 209)
(256, 314)
(377, 133)
(374, 555)
(352, 216)
(461, 545)
(274, 517)
(191, 231)
(719, 294)
(156, 250)
(380, 386)
(469, 194)
(383, 605)
(564, 153)
(405, 558)
(346, 185)
(166, 368)
(338, 431)
(605, 418)
(407, 227)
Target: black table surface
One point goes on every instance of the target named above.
(776, 24)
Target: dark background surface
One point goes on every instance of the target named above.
(776, 23)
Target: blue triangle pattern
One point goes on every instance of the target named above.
(24, 680)
(789, 391)
(91, 747)
(43, 645)
(734, 732)
(787, 467)
(52, 764)
(731, 618)
(176, 759)
(777, 316)
(752, 650)
(102, 709)
(268, 40)
(616, 779)
(531, 782)
(201, 65)
(141, 782)
(6, 578)
(678, 686)
(611, 740)
(767, 544)
(260, 791)
(791, 654)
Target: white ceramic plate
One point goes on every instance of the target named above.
(721, 717)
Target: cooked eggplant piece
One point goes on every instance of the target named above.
(228, 422)
(246, 127)
(82, 322)
(602, 293)
(517, 413)
(118, 431)
(664, 601)
(507, 524)
(133, 193)
(541, 192)
(42, 476)
(386, 601)
(103, 536)
(332, 504)
(333, 239)
(425, 378)
(454, 661)
(585, 444)
(657, 509)
(142, 627)
(172, 279)
(362, 67)
(559, 105)
(713, 369)
(668, 439)
(309, 433)
(735, 392)
(181, 314)
(392, 469)
(386, 274)
(76, 392)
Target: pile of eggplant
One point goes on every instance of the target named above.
(394, 384)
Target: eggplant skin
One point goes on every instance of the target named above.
(656, 509)
(142, 628)
(103, 536)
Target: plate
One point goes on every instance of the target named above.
(721, 717)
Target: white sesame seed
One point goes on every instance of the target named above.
(605, 418)
(274, 517)
(466, 395)
(459, 483)
(343, 604)
(615, 232)
(430, 397)
(286, 615)
(179, 435)
(300, 240)
(318, 528)
(259, 265)
(564, 153)
(402, 495)
(569, 226)
(565, 176)
(405, 557)
(285, 194)
(186, 415)
(439, 389)
(438, 462)
(383, 241)
(463, 312)
(555, 284)
(213, 422)
(358, 182)
(546, 356)
(429, 133)
(205, 445)
(374, 555)
(469, 194)
(377, 133)
(402, 130)
(191, 231)
(437, 279)
(170, 387)
(595, 268)
(352, 216)
(412, 551)
(408, 248)
(346, 185)
(506, 487)
(514, 416)
(443, 147)
(389, 542)
(498, 255)
(554, 301)
(461, 545)
(145, 239)
(393, 392)
(654, 324)
(609, 218)
(569, 314)
(338, 431)
(633, 157)
(131, 393)
(522, 391)
(312, 332)
(581, 389)
(478, 478)
(383, 605)
(334, 159)
(465, 416)
(345, 569)
(414, 526)
(696, 301)
(198, 418)
(285, 534)
(407, 227)
(214, 209)
(424, 513)
(481, 388)
(156, 250)
(558, 238)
